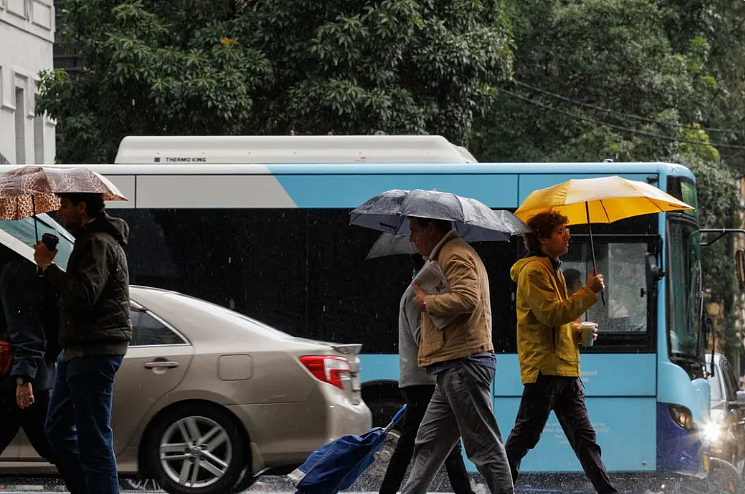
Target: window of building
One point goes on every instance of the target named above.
(20, 126)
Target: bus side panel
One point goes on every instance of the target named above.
(625, 430)
(620, 390)
(496, 191)
(529, 183)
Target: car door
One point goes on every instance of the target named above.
(156, 362)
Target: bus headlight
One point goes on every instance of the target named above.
(682, 416)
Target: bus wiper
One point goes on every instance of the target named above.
(688, 362)
(679, 357)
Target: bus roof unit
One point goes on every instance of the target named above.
(290, 149)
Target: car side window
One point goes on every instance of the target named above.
(730, 380)
(147, 330)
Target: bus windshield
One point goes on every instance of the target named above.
(685, 291)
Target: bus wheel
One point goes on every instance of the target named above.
(383, 409)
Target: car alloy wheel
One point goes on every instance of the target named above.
(197, 448)
(195, 452)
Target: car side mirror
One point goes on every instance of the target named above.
(740, 267)
(741, 397)
(653, 272)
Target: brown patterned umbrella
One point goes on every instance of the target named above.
(32, 190)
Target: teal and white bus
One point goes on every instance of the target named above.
(261, 225)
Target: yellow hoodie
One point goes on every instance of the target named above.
(547, 341)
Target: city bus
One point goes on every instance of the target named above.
(261, 225)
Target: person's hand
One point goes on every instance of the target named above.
(25, 395)
(595, 334)
(42, 255)
(595, 281)
(419, 299)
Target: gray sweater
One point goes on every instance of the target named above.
(409, 331)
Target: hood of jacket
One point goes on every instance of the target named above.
(116, 227)
(520, 265)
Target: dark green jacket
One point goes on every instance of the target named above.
(94, 292)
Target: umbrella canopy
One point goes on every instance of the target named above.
(599, 200)
(388, 211)
(31, 190)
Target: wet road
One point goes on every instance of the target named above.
(269, 485)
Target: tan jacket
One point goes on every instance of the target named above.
(470, 332)
(547, 340)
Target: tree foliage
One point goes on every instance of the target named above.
(189, 67)
(631, 80)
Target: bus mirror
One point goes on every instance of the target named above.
(652, 271)
(740, 267)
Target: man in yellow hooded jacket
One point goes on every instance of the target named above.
(548, 342)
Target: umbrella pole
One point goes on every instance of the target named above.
(592, 247)
(36, 228)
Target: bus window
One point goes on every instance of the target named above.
(624, 321)
(301, 271)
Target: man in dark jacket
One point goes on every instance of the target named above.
(24, 391)
(95, 331)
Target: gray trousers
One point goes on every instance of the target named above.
(461, 407)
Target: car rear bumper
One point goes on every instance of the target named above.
(284, 434)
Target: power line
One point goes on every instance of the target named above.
(617, 127)
(622, 114)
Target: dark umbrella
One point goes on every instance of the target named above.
(389, 210)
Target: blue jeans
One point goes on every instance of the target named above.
(78, 423)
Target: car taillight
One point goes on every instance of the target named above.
(327, 368)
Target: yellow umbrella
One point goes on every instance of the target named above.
(599, 200)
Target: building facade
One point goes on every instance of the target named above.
(26, 47)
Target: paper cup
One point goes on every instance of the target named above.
(588, 333)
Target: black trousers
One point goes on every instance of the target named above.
(32, 420)
(565, 396)
(417, 398)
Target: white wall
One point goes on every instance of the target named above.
(26, 44)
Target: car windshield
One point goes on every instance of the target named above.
(29, 230)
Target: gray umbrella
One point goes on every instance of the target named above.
(474, 221)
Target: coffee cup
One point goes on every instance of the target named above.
(588, 333)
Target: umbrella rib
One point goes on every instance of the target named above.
(605, 211)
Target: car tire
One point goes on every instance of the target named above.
(197, 449)
(244, 482)
(723, 478)
(383, 410)
(138, 484)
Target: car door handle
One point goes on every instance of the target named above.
(158, 364)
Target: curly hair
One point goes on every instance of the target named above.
(543, 225)
(94, 203)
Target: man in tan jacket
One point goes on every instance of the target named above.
(548, 347)
(461, 357)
